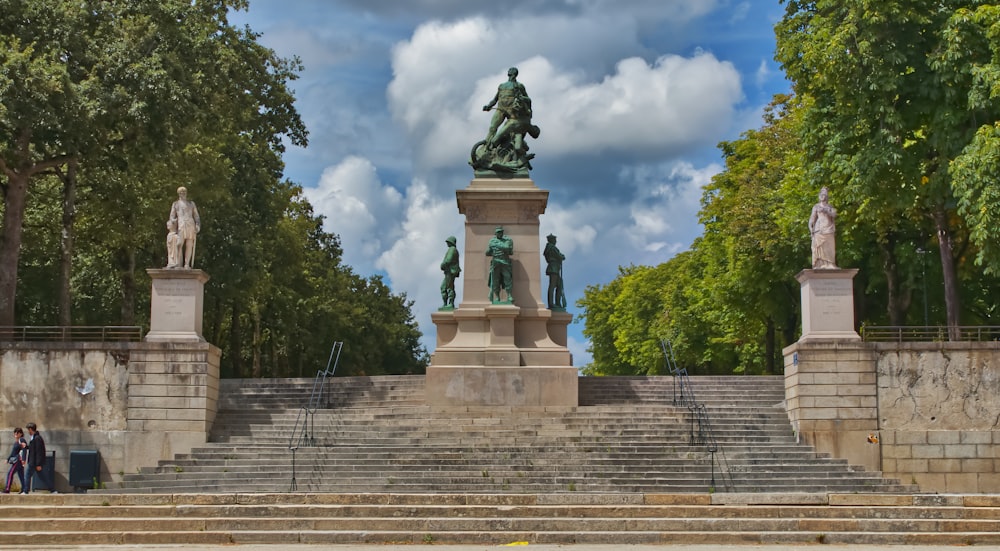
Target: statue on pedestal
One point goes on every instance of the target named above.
(501, 273)
(504, 150)
(822, 227)
(183, 226)
(451, 270)
(553, 268)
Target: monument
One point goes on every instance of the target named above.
(827, 291)
(829, 376)
(177, 300)
(501, 346)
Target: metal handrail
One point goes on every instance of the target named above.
(65, 333)
(704, 434)
(304, 431)
(929, 333)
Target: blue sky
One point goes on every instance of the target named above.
(632, 97)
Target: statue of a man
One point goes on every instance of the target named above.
(501, 274)
(184, 217)
(451, 270)
(822, 226)
(504, 149)
(511, 101)
(553, 268)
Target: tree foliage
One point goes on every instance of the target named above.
(140, 98)
(897, 110)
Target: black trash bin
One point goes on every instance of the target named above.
(84, 468)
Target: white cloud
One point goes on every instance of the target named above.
(763, 73)
(661, 109)
(413, 261)
(359, 208)
(652, 223)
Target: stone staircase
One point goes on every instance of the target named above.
(384, 468)
(626, 437)
(101, 520)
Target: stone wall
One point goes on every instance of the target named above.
(935, 408)
(149, 400)
(939, 414)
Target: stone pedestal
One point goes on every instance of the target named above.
(832, 400)
(827, 304)
(499, 354)
(176, 306)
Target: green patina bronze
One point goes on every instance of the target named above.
(501, 273)
(504, 152)
(451, 270)
(553, 268)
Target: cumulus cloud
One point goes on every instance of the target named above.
(359, 208)
(661, 108)
(679, 11)
(649, 224)
(412, 262)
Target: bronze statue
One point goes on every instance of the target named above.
(451, 270)
(504, 150)
(822, 227)
(553, 268)
(501, 273)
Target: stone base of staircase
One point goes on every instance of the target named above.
(654, 519)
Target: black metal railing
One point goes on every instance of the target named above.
(66, 333)
(701, 426)
(304, 431)
(931, 333)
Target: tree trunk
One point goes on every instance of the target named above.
(951, 301)
(66, 245)
(15, 199)
(897, 301)
(235, 354)
(129, 287)
(256, 373)
(769, 347)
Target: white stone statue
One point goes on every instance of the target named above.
(182, 227)
(822, 226)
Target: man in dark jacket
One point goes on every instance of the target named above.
(36, 460)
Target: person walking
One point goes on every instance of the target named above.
(36, 460)
(16, 460)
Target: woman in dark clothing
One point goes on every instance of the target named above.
(16, 460)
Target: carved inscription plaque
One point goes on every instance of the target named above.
(829, 295)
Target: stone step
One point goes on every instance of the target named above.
(497, 519)
(627, 435)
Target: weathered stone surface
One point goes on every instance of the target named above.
(944, 388)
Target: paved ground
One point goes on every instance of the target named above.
(530, 547)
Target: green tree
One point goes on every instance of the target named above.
(882, 122)
(755, 227)
(105, 83)
(112, 106)
(969, 64)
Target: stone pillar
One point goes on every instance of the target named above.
(827, 304)
(173, 394)
(832, 399)
(830, 389)
(176, 305)
(491, 354)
